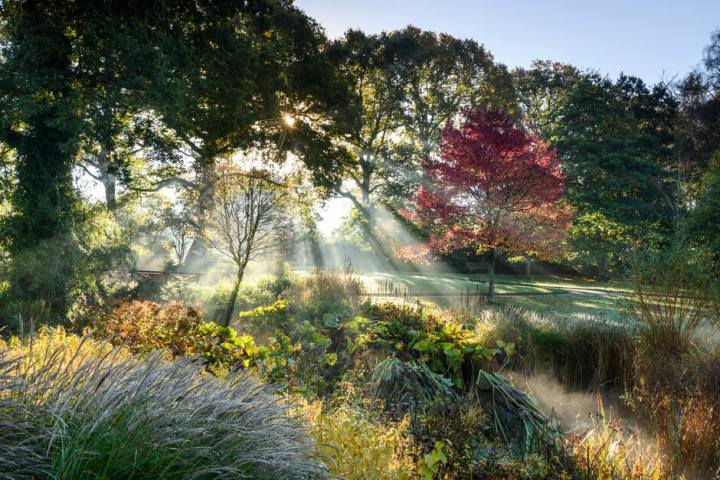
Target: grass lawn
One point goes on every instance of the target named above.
(572, 306)
(574, 298)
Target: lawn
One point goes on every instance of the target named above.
(564, 297)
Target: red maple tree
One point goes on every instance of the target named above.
(493, 186)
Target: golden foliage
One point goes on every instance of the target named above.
(357, 447)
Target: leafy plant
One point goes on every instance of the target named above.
(145, 326)
(448, 349)
(359, 447)
(222, 347)
(430, 464)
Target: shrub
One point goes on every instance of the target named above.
(69, 412)
(678, 396)
(266, 319)
(448, 349)
(222, 347)
(145, 326)
(297, 352)
(453, 427)
(674, 294)
(358, 447)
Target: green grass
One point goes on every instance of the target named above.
(587, 298)
(460, 282)
(572, 306)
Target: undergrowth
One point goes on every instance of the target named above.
(77, 409)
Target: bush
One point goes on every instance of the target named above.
(447, 349)
(357, 447)
(145, 326)
(68, 411)
(297, 352)
(674, 294)
(222, 347)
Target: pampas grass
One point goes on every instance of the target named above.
(88, 412)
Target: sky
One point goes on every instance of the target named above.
(653, 40)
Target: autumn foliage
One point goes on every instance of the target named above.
(493, 185)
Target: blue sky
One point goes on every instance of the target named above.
(650, 39)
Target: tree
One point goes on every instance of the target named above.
(541, 90)
(81, 89)
(247, 221)
(704, 220)
(40, 123)
(711, 59)
(406, 85)
(494, 186)
(236, 71)
(443, 75)
(613, 140)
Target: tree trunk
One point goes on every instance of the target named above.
(491, 277)
(528, 268)
(369, 232)
(110, 192)
(365, 188)
(207, 180)
(233, 298)
(108, 179)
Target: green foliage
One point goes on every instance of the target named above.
(446, 348)
(450, 349)
(40, 98)
(675, 293)
(430, 465)
(296, 351)
(266, 318)
(222, 347)
(599, 245)
(612, 139)
(704, 219)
